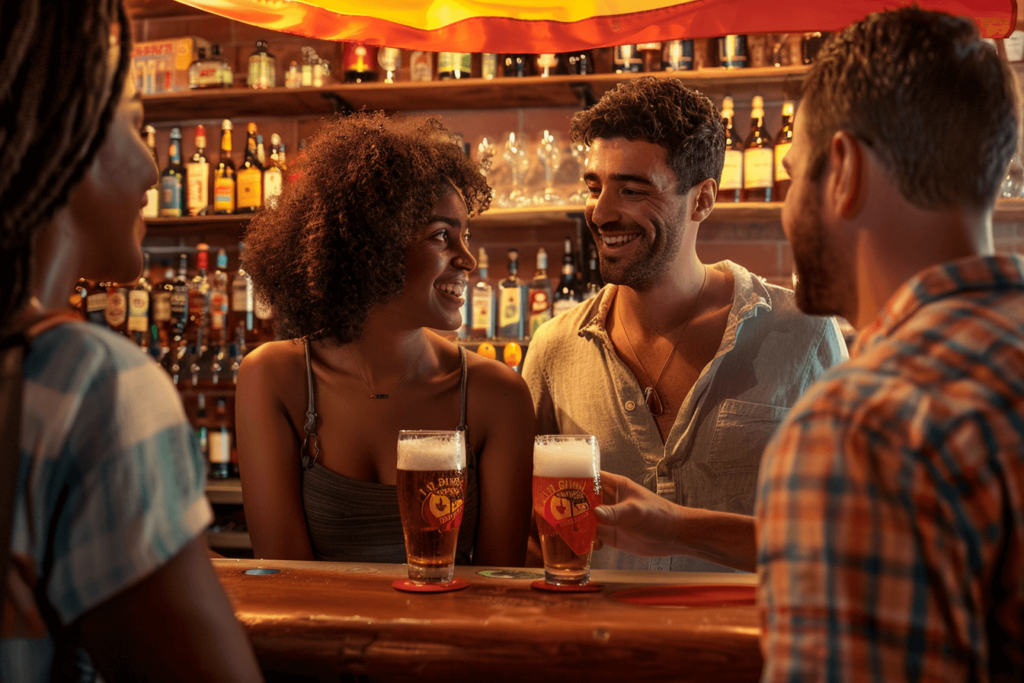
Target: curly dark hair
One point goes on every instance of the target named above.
(664, 112)
(927, 95)
(335, 245)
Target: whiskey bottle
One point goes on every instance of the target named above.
(358, 63)
(199, 301)
(262, 67)
(241, 320)
(566, 295)
(783, 141)
(677, 55)
(731, 187)
(219, 301)
(204, 73)
(197, 175)
(539, 294)
(202, 431)
(179, 302)
(482, 301)
(152, 208)
(220, 443)
(117, 308)
(171, 180)
(224, 68)
(139, 309)
(511, 321)
(250, 176)
(732, 51)
(273, 176)
(626, 60)
(454, 65)
(94, 298)
(758, 157)
(651, 54)
(224, 178)
(162, 308)
(421, 66)
(488, 66)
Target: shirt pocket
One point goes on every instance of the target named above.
(742, 431)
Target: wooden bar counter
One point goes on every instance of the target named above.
(339, 621)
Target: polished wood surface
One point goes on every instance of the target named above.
(327, 619)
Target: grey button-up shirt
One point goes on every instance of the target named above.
(769, 354)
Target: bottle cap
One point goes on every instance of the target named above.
(757, 102)
(226, 124)
(149, 130)
(727, 105)
(251, 127)
(175, 132)
(788, 108)
(275, 139)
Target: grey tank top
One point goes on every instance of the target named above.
(358, 521)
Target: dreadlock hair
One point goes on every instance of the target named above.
(55, 109)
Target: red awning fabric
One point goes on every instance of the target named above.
(536, 26)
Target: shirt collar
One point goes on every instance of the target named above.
(1003, 271)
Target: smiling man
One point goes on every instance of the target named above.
(682, 370)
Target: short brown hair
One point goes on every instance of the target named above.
(927, 95)
(335, 245)
(664, 112)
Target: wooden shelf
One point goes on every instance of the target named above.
(224, 491)
(472, 93)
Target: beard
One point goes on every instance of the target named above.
(650, 261)
(822, 282)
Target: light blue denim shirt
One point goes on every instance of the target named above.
(770, 353)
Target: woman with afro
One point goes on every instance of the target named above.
(366, 252)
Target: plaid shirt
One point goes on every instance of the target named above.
(890, 514)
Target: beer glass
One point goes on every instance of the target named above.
(566, 489)
(431, 494)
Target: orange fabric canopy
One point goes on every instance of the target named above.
(535, 26)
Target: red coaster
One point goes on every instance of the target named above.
(408, 586)
(586, 588)
(687, 596)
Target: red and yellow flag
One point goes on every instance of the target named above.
(535, 26)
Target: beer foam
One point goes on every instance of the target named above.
(566, 459)
(432, 453)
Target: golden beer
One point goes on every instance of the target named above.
(431, 482)
(566, 489)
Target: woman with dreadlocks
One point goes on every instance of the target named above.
(108, 566)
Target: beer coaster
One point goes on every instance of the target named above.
(586, 588)
(408, 586)
(688, 596)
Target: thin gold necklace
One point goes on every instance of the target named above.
(374, 394)
(651, 397)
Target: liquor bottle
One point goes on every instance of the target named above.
(578, 63)
(421, 66)
(358, 62)
(511, 321)
(547, 63)
(152, 208)
(488, 66)
(197, 175)
(94, 296)
(204, 73)
(594, 283)
(482, 301)
(273, 176)
(783, 141)
(162, 308)
(171, 180)
(627, 60)
(202, 431)
(219, 301)
(199, 300)
(282, 159)
(224, 69)
(262, 67)
(732, 51)
(224, 178)
(758, 157)
(566, 296)
(117, 308)
(261, 153)
(243, 305)
(250, 176)
(731, 187)
(179, 302)
(539, 294)
(454, 65)
(651, 54)
(220, 443)
(138, 307)
(677, 55)
(265, 329)
(517, 66)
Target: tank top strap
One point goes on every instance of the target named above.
(465, 377)
(311, 442)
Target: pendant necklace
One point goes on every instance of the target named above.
(374, 394)
(651, 397)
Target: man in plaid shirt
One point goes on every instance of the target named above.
(890, 512)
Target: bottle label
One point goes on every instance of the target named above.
(271, 186)
(421, 67)
(758, 164)
(450, 62)
(117, 308)
(96, 302)
(224, 195)
(179, 301)
(218, 309)
(483, 310)
(389, 58)
(161, 307)
(732, 171)
(241, 296)
(563, 305)
(249, 188)
(138, 310)
(540, 309)
(198, 175)
(489, 65)
(170, 197)
(152, 208)
(677, 56)
(627, 59)
(510, 306)
(780, 154)
(220, 446)
(732, 51)
(264, 311)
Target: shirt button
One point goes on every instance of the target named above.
(630, 405)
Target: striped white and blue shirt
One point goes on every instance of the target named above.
(101, 419)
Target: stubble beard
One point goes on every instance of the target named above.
(822, 286)
(649, 264)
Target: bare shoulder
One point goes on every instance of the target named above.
(273, 364)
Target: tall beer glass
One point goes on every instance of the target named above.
(431, 495)
(566, 489)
